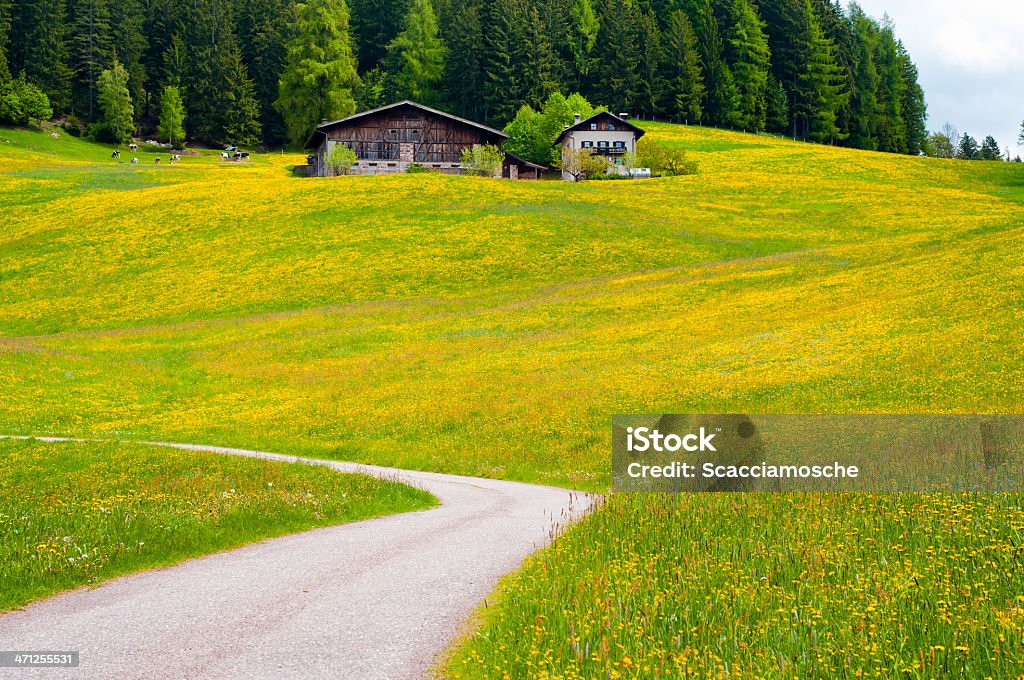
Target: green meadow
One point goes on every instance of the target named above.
(78, 513)
(492, 328)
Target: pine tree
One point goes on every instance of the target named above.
(374, 24)
(519, 64)
(720, 100)
(39, 48)
(172, 116)
(990, 150)
(747, 53)
(649, 81)
(320, 74)
(116, 103)
(617, 72)
(267, 62)
(968, 148)
(91, 47)
(128, 22)
(175, 63)
(915, 111)
(583, 29)
(777, 114)
(464, 77)
(892, 131)
(825, 87)
(241, 110)
(836, 30)
(417, 56)
(5, 31)
(209, 36)
(684, 77)
(864, 94)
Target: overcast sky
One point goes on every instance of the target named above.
(971, 57)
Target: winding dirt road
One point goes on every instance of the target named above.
(373, 599)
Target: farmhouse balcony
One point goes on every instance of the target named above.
(609, 150)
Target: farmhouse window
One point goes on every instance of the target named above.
(620, 145)
(587, 145)
(593, 126)
(603, 145)
(611, 126)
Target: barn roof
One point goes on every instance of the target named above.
(323, 127)
(583, 125)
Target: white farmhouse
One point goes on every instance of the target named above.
(605, 134)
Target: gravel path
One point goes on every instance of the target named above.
(373, 599)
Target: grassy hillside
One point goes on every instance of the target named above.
(490, 327)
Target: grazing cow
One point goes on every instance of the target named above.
(224, 156)
(116, 154)
(133, 147)
(158, 161)
(135, 161)
(175, 158)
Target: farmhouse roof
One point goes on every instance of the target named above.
(323, 127)
(585, 125)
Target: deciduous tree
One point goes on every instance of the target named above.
(320, 74)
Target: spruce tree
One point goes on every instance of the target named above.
(175, 63)
(115, 102)
(241, 110)
(721, 97)
(864, 95)
(172, 116)
(617, 74)
(747, 54)
(417, 56)
(777, 114)
(968, 149)
(914, 109)
(320, 74)
(127, 24)
(265, 67)
(39, 48)
(990, 150)
(91, 46)
(683, 75)
(583, 29)
(5, 31)
(649, 81)
(374, 24)
(462, 33)
(892, 131)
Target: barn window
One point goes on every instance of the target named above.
(393, 134)
(415, 134)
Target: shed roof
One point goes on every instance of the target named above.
(522, 161)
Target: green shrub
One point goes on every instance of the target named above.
(21, 102)
(340, 160)
(662, 159)
(483, 159)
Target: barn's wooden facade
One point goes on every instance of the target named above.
(389, 139)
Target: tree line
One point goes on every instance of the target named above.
(269, 70)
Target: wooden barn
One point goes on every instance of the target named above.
(390, 139)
